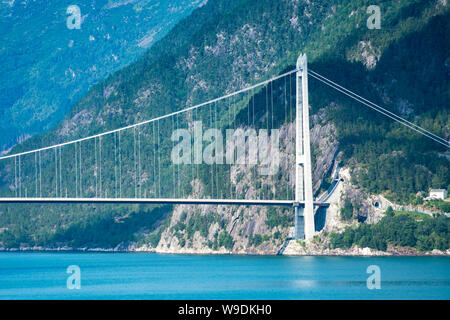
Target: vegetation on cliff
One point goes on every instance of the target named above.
(398, 229)
(226, 45)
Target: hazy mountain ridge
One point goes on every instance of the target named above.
(47, 67)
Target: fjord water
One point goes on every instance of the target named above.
(36, 275)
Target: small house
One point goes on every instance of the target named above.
(438, 194)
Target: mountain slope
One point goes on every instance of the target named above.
(46, 67)
(226, 45)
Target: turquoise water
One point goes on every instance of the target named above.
(157, 276)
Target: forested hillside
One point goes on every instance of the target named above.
(227, 45)
(47, 66)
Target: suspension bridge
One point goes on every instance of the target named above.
(163, 160)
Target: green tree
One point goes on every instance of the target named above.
(389, 212)
(347, 210)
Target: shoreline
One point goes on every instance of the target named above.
(355, 252)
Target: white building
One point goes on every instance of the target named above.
(438, 194)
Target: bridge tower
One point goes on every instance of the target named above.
(304, 216)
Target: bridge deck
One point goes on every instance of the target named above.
(159, 201)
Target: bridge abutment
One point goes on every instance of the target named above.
(299, 231)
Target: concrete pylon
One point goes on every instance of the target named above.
(304, 216)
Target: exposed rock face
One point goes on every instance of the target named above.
(205, 229)
(70, 126)
(325, 146)
(362, 203)
(199, 229)
(333, 222)
(239, 222)
(365, 53)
